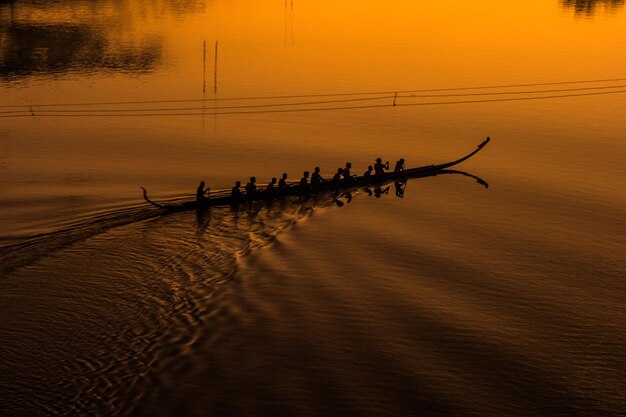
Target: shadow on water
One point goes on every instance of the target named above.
(589, 7)
(49, 38)
(268, 218)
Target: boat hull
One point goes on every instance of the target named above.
(327, 186)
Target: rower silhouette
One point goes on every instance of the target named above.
(235, 194)
(270, 190)
(347, 175)
(316, 180)
(399, 168)
(202, 194)
(379, 167)
(251, 189)
(304, 184)
(337, 178)
(282, 185)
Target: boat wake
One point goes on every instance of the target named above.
(124, 297)
(138, 290)
(35, 247)
(32, 248)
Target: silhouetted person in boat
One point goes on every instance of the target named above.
(270, 190)
(304, 184)
(316, 180)
(251, 189)
(202, 194)
(399, 186)
(379, 167)
(369, 171)
(337, 178)
(235, 193)
(282, 185)
(347, 175)
(399, 168)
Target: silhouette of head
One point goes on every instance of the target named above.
(306, 174)
(348, 165)
(252, 180)
(379, 160)
(273, 180)
(284, 175)
(317, 169)
(339, 170)
(370, 168)
(238, 184)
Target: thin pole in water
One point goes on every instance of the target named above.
(215, 73)
(203, 68)
(203, 80)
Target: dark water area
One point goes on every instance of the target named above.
(495, 291)
(247, 312)
(54, 49)
(589, 7)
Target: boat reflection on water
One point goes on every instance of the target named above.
(299, 206)
(400, 186)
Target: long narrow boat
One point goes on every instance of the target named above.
(224, 199)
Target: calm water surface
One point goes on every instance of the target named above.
(455, 300)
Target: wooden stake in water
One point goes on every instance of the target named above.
(203, 67)
(215, 73)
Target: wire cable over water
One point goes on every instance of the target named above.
(336, 101)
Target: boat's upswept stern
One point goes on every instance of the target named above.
(154, 203)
